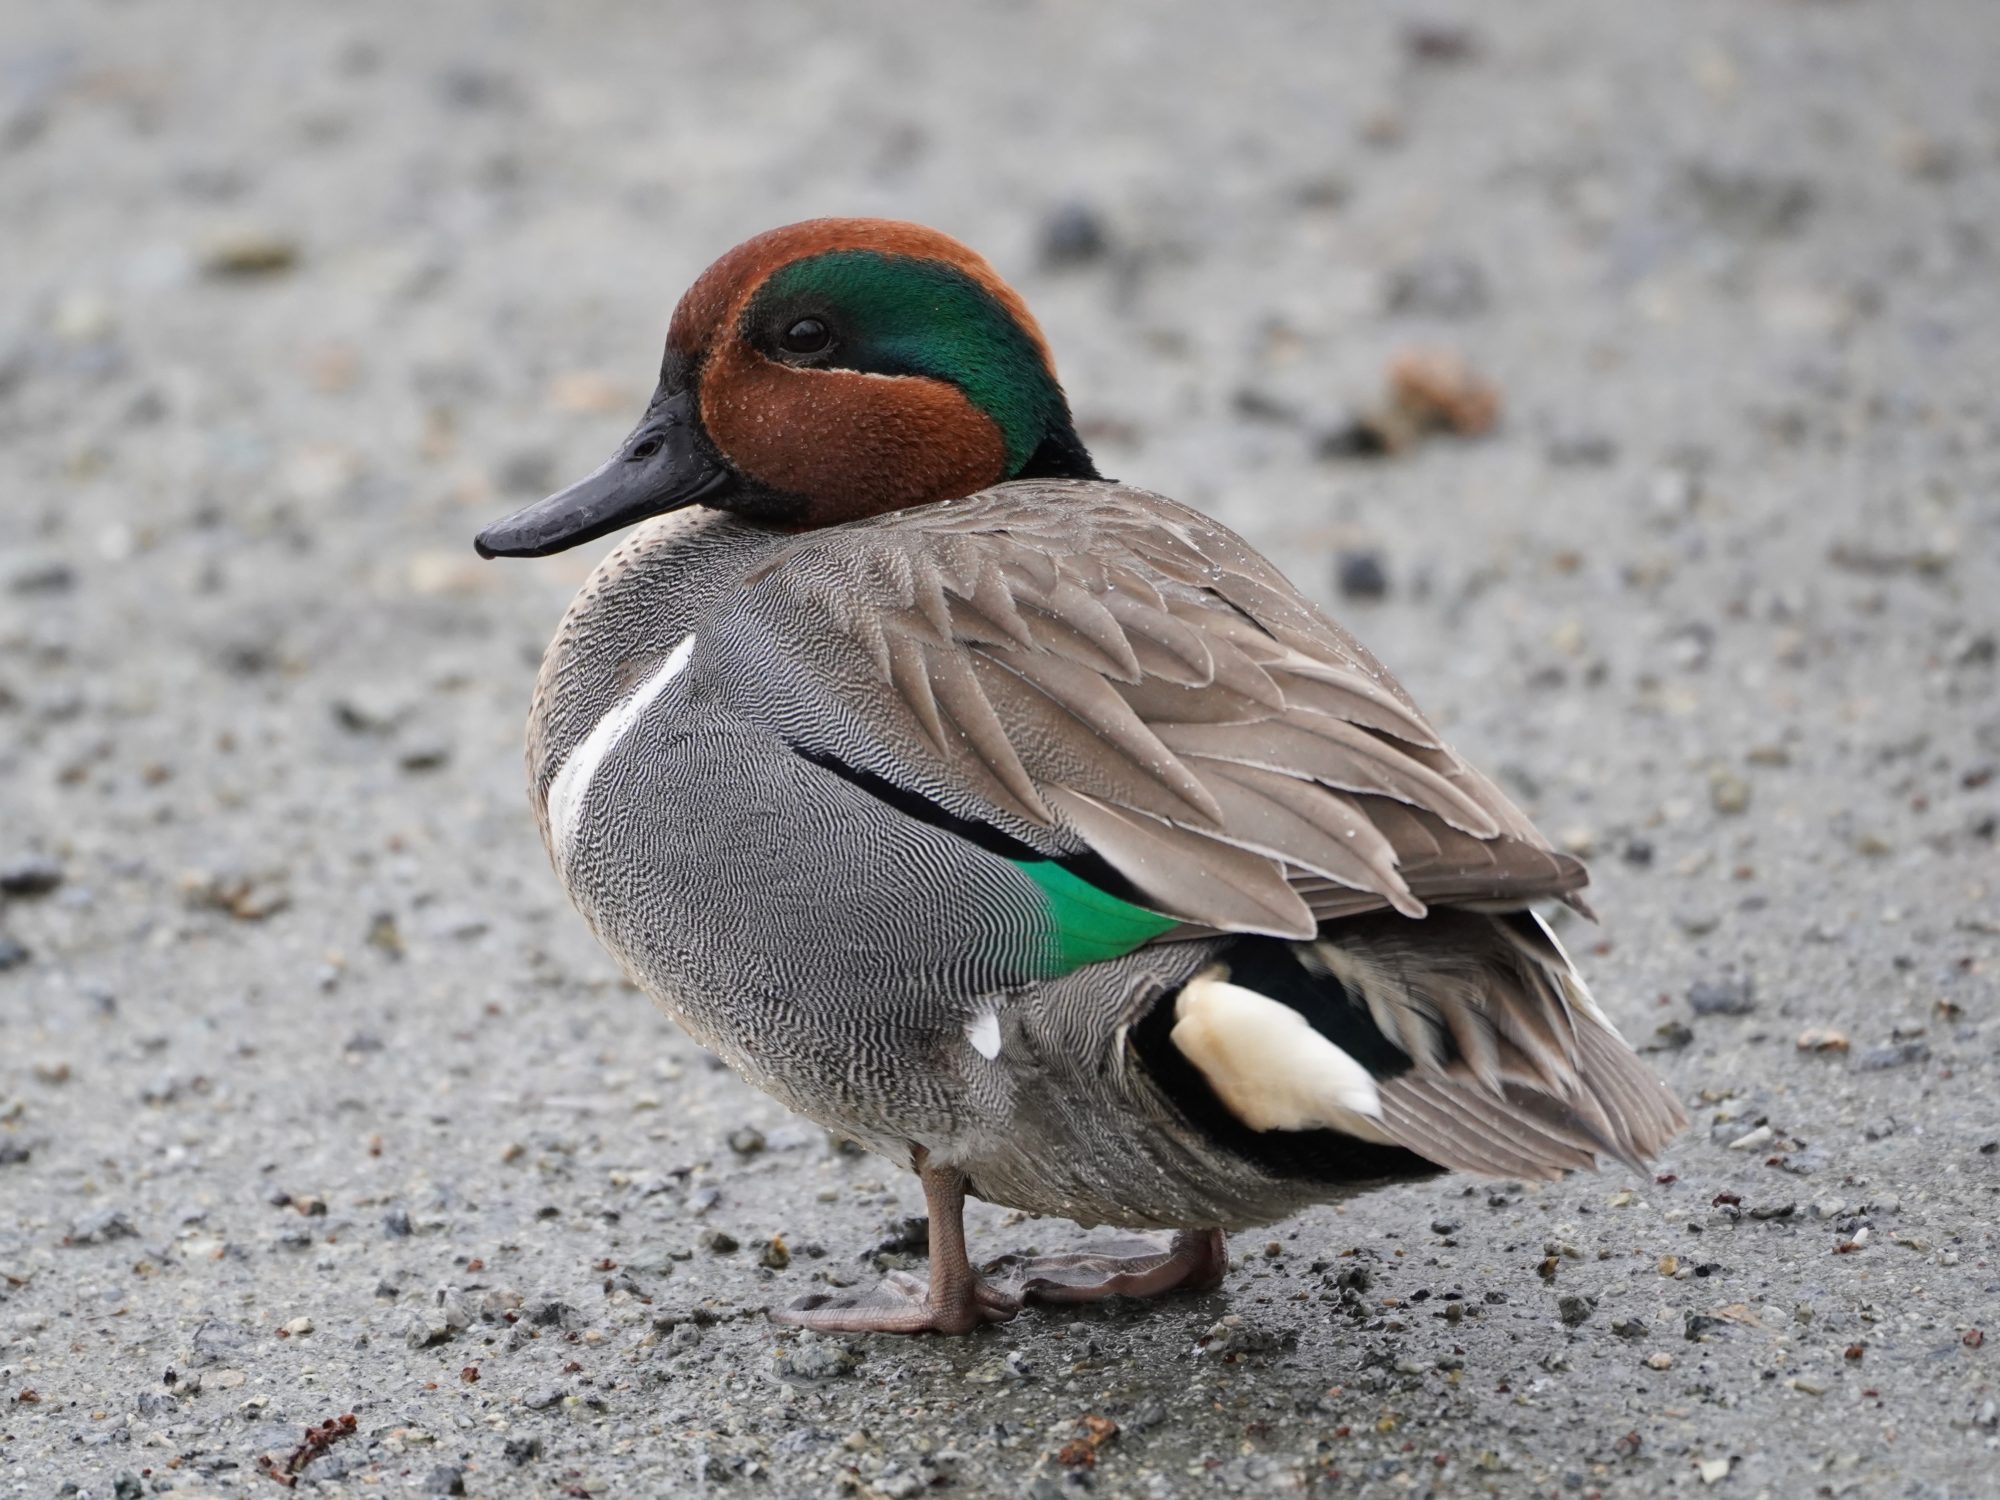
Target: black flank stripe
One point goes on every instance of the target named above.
(1085, 866)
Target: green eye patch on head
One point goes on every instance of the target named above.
(901, 315)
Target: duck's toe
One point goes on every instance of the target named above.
(1195, 1261)
(900, 1304)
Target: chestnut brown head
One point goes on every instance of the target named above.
(823, 372)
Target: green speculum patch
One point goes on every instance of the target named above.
(1090, 925)
(899, 315)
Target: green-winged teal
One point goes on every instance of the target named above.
(1025, 826)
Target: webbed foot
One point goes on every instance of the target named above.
(1195, 1261)
(902, 1304)
(953, 1300)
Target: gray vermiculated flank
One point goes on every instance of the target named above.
(833, 949)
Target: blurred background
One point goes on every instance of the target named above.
(1624, 376)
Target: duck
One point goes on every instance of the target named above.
(1023, 826)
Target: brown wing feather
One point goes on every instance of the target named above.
(1516, 1072)
(1102, 663)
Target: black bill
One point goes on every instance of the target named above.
(664, 465)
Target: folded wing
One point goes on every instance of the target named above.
(1091, 668)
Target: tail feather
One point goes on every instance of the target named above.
(1486, 1051)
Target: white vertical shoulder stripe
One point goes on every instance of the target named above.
(572, 783)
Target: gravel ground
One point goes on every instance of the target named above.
(316, 1100)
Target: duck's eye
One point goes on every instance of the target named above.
(807, 336)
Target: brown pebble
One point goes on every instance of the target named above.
(242, 254)
(1728, 793)
(1076, 1454)
(1440, 392)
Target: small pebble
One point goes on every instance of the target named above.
(1437, 286)
(425, 1328)
(1897, 1055)
(817, 1359)
(455, 1308)
(1731, 995)
(430, 756)
(549, 1312)
(1728, 792)
(30, 877)
(1073, 235)
(101, 1227)
(1575, 1309)
(1441, 43)
(242, 255)
(1361, 575)
(1672, 1036)
(1579, 448)
(41, 575)
(1235, 1336)
(1694, 1325)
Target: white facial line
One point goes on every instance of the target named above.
(983, 1031)
(572, 783)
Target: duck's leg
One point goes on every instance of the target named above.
(1196, 1261)
(954, 1301)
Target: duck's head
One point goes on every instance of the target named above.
(823, 372)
